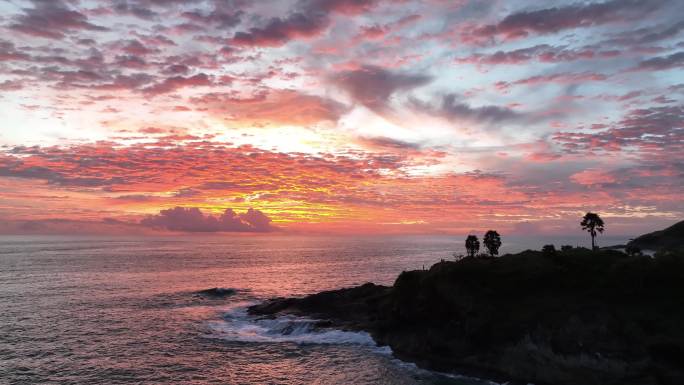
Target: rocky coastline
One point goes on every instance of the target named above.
(564, 318)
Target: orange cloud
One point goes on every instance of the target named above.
(275, 107)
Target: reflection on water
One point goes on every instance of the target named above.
(126, 310)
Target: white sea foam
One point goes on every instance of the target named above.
(237, 325)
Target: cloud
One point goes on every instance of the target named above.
(385, 143)
(191, 219)
(280, 31)
(217, 17)
(124, 7)
(373, 86)
(134, 47)
(675, 60)
(450, 107)
(171, 165)
(559, 78)
(67, 226)
(376, 31)
(8, 52)
(125, 82)
(312, 96)
(51, 19)
(556, 19)
(11, 85)
(15, 168)
(310, 19)
(592, 177)
(646, 35)
(651, 130)
(347, 7)
(272, 107)
(527, 227)
(543, 53)
(176, 82)
(130, 61)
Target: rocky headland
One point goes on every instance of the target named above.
(671, 238)
(565, 317)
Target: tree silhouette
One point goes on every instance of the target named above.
(492, 241)
(592, 223)
(472, 245)
(549, 250)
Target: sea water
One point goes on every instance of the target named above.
(122, 310)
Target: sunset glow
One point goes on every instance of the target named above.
(340, 116)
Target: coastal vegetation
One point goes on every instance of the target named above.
(492, 241)
(592, 223)
(472, 245)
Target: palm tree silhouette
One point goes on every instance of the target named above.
(492, 241)
(472, 245)
(592, 223)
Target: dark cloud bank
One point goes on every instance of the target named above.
(191, 219)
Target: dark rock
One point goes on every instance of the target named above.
(217, 292)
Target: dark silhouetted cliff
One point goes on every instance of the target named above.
(567, 317)
(672, 238)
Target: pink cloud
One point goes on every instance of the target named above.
(176, 82)
(591, 177)
(280, 31)
(311, 19)
(52, 20)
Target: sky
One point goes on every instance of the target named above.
(340, 116)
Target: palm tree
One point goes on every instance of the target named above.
(492, 241)
(592, 223)
(472, 245)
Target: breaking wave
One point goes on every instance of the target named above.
(237, 325)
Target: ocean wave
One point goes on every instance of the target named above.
(217, 292)
(237, 325)
(214, 297)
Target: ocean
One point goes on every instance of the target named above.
(126, 310)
